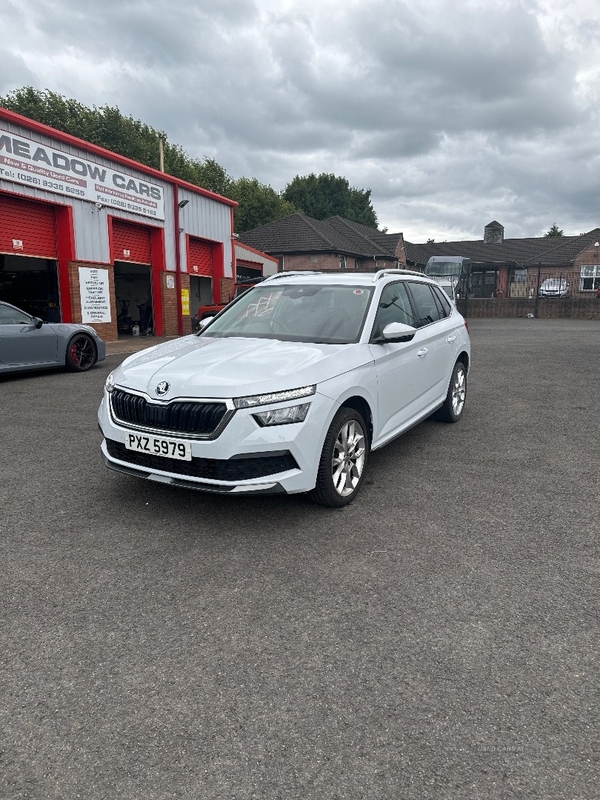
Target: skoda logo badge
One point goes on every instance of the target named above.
(162, 388)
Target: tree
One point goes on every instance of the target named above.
(554, 231)
(258, 204)
(108, 127)
(318, 196)
(211, 175)
(326, 195)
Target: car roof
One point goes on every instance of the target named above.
(345, 278)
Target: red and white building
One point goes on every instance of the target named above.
(87, 235)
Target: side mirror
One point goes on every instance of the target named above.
(397, 332)
(204, 322)
(37, 322)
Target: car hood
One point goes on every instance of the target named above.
(234, 367)
(69, 328)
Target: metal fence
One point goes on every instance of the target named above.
(538, 291)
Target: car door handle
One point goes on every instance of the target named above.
(451, 339)
(422, 352)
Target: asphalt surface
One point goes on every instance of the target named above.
(435, 639)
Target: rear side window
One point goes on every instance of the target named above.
(426, 308)
(442, 301)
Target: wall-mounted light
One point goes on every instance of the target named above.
(183, 203)
(99, 206)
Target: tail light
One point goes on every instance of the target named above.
(467, 326)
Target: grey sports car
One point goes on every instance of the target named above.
(27, 342)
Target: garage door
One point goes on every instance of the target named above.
(131, 243)
(27, 229)
(200, 257)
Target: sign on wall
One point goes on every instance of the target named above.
(33, 164)
(95, 295)
(185, 302)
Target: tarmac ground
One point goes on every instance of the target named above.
(437, 639)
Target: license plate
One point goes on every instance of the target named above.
(158, 446)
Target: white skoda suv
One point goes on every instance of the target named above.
(291, 386)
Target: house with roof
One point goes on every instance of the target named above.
(516, 268)
(300, 242)
(507, 275)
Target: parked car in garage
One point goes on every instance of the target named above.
(291, 386)
(26, 343)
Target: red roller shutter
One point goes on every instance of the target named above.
(26, 228)
(200, 257)
(131, 243)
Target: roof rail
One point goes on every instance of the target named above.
(382, 272)
(278, 275)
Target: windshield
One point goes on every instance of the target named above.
(444, 268)
(553, 283)
(296, 313)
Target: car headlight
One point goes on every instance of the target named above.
(109, 384)
(273, 397)
(282, 416)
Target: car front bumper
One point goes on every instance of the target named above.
(244, 459)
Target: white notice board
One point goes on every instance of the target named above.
(95, 295)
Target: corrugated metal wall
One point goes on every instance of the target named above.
(202, 216)
(205, 219)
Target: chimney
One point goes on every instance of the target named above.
(493, 233)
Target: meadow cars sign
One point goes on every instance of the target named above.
(33, 164)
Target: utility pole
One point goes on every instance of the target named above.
(537, 291)
(161, 153)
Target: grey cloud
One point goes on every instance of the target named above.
(14, 71)
(449, 112)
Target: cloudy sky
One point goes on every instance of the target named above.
(453, 112)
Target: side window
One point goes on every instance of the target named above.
(442, 301)
(394, 306)
(426, 309)
(11, 316)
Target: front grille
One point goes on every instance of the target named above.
(180, 417)
(235, 469)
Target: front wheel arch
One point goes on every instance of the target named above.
(361, 405)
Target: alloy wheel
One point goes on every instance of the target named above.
(459, 392)
(348, 459)
(82, 352)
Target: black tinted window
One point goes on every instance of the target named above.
(442, 301)
(426, 308)
(394, 306)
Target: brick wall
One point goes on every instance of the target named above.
(226, 288)
(547, 308)
(330, 261)
(106, 330)
(315, 261)
(169, 299)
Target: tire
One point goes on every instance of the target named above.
(454, 404)
(81, 353)
(340, 478)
